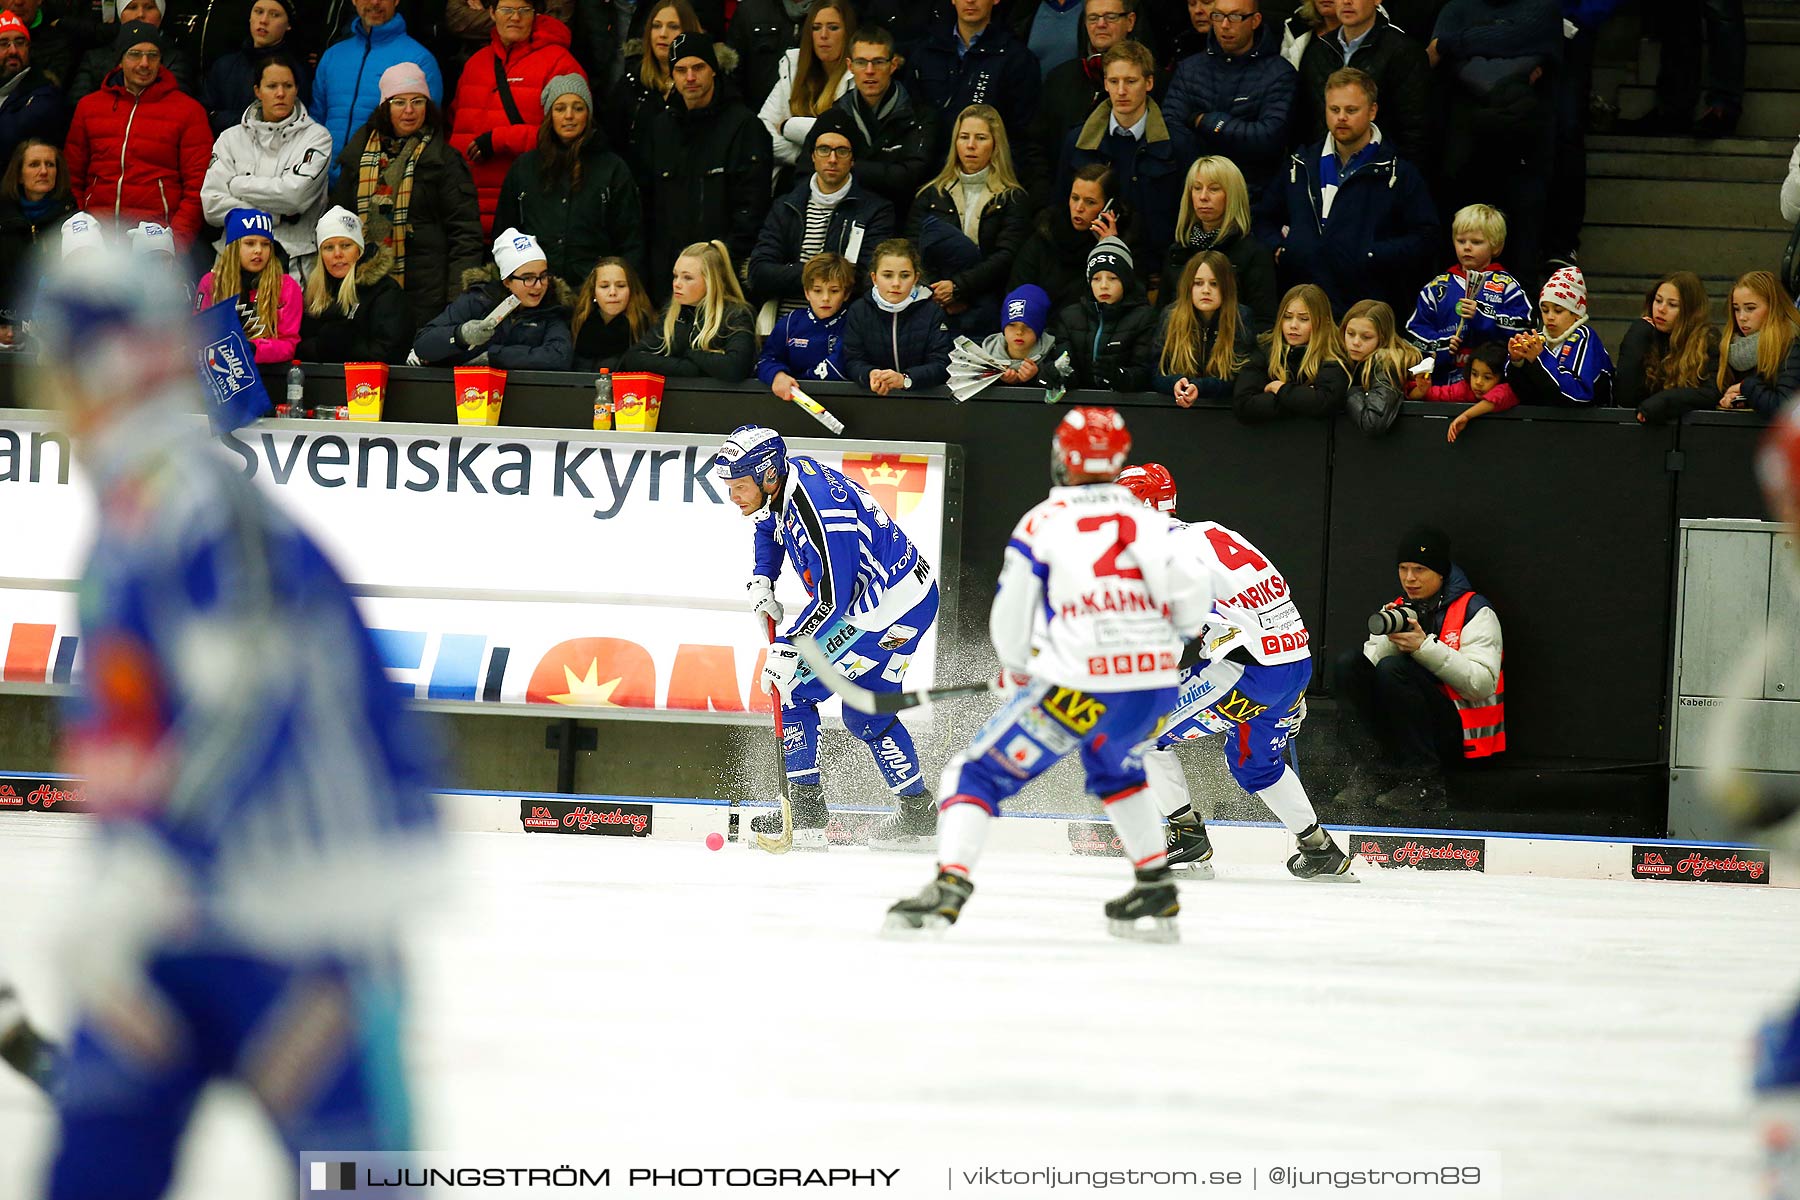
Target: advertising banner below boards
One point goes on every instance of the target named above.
(1422, 851)
(593, 570)
(1700, 864)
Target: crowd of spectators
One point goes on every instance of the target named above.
(1195, 197)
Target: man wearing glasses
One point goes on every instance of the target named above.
(829, 211)
(1073, 89)
(138, 148)
(1236, 95)
(899, 150)
(347, 85)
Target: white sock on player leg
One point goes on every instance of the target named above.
(1134, 815)
(962, 828)
(1286, 798)
(1168, 782)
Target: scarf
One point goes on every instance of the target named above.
(1200, 238)
(36, 210)
(1556, 343)
(919, 292)
(888, 103)
(394, 170)
(1331, 173)
(1741, 354)
(972, 191)
(824, 201)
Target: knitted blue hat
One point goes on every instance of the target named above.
(248, 222)
(1028, 303)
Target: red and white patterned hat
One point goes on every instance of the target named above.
(1567, 288)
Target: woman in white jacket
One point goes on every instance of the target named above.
(811, 78)
(276, 159)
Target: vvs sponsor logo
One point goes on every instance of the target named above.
(1425, 853)
(1699, 864)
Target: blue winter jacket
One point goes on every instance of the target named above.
(998, 69)
(1501, 309)
(1383, 223)
(914, 341)
(347, 83)
(805, 347)
(1246, 100)
(1579, 372)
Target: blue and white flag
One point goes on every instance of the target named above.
(227, 365)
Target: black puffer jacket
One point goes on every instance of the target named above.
(901, 147)
(1374, 405)
(1106, 342)
(529, 339)
(1323, 397)
(443, 236)
(576, 226)
(1005, 223)
(705, 176)
(380, 330)
(914, 342)
(733, 360)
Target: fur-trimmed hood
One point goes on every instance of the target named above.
(728, 58)
(476, 277)
(372, 269)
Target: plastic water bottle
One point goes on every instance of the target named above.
(296, 391)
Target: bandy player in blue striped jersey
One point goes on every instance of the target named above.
(871, 597)
(263, 825)
(1094, 605)
(1249, 685)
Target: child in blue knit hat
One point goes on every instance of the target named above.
(1024, 314)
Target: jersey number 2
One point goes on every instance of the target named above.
(1108, 563)
(1233, 553)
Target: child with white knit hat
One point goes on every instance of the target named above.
(1564, 364)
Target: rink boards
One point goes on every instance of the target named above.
(1236, 843)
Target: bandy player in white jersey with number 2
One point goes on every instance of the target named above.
(1249, 685)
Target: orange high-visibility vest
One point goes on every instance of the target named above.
(1483, 721)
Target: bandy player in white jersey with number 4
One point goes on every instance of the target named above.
(1094, 606)
(1249, 684)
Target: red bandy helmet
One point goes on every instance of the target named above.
(1152, 484)
(1089, 441)
(1778, 464)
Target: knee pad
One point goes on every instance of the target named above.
(869, 727)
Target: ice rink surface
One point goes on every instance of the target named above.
(601, 997)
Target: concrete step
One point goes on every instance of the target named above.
(1770, 61)
(1612, 333)
(1767, 114)
(1649, 167)
(1767, 30)
(1706, 202)
(1645, 252)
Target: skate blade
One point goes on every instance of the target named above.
(804, 840)
(912, 843)
(1346, 877)
(1160, 930)
(902, 927)
(1193, 872)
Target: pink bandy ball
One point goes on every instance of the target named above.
(715, 841)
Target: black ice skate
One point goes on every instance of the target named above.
(913, 826)
(1320, 858)
(1147, 912)
(22, 1047)
(933, 910)
(810, 818)
(1189, 848)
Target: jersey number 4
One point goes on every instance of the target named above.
(1233, 553)
(1123, 536)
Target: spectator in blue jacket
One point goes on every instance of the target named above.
(31, 105)
(1476, 301)
(1148, 155)
(895, 338)
(1499, 57)
(808, 343)
(1236, 96)
(1565, 364)
(1359, 218)
(974, 59)
(347, 83)
(1367, 40)
(828, 210)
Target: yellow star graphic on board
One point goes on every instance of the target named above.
(588, 690)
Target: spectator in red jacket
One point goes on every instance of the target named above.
(139, 147)
(490, 127)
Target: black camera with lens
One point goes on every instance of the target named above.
(1392, 619)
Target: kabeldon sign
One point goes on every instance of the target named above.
(589, 570)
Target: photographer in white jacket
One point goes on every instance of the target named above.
(276, 159)
(1427, 685)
